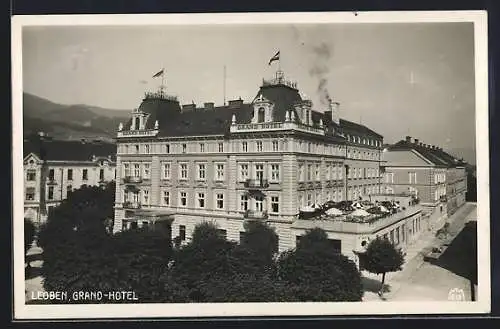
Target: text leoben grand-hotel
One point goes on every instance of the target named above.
(261, 160)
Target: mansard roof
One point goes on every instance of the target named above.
(62, 150)
(437, 156)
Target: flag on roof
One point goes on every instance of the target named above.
(276, 57)
(158, 74)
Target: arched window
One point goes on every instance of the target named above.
(261, 114)
(136, 124)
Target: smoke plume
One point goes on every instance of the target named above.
(320, 70)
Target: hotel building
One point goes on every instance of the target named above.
(53, 168)
(261, 160)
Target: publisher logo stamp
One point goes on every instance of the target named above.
(456, 295)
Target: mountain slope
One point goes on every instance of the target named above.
(70, 121)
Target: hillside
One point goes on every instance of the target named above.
(70, 121)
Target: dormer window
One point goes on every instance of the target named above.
(261, 115)
(137, 123)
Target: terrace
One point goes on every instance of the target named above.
(358, 217)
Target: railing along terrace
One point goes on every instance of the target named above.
(132, 179)
(254, 214)
(131, 205)
(159, 95)
(257, 183)
(279, 81)
(138, 133)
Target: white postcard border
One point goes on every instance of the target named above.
(483, 303)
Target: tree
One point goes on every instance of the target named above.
(29, 235)
(197, 264)
(382, 256)
(315, 271)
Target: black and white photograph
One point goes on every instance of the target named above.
(211, 165)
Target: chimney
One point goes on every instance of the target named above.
(188, 107)
(334, 108)
(408, 139)
(209, 106)
(416, 141)
(235, 103)
(421, 144)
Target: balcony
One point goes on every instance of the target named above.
(254, 214)
(131, 205)
(257, 183)
(132, 179)
(138, 133)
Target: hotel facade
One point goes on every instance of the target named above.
(261, 160)
(54, 168)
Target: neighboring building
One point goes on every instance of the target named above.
(68, 165)
(437, 178)
(261, 160)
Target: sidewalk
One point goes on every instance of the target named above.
(415, 255)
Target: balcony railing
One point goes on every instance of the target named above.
(137, 133)
(275, 126)
(132, 179)
(257, 183)
(254, 214)
(131, 205)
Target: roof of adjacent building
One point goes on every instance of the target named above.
(436, 155)
(60, 150)
(176, 120)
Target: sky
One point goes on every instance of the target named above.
(413, 79)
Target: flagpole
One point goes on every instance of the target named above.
(224, 85)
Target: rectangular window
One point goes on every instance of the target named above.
(275, 146)
(328, 172)
(244, 146)
(309, 172)
(146, 171)
(137, 170)
(309, 199)
(51, 174)
(275, 172)
(244, 202)
(167, 148)
(30, 194)
(221, 147)
(202, 171)
(182, 232)
(243, 172)
(145, 197)
(166, 198)
(219, 173)
(147, 148)
(183, 199)
(202, 147)
(201, 200)
(259, 171)
(85, 174)
(183, 171)
(166, 171)
(101, 174)
(301, 173)
(222, 233)
(126, 170)
(31, 175)
(50, 195)
(317, 172)
(259, 146)
(220, 201)
(184, 148)
(70, 174)
(275, 204)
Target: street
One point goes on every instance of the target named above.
(423, 281)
